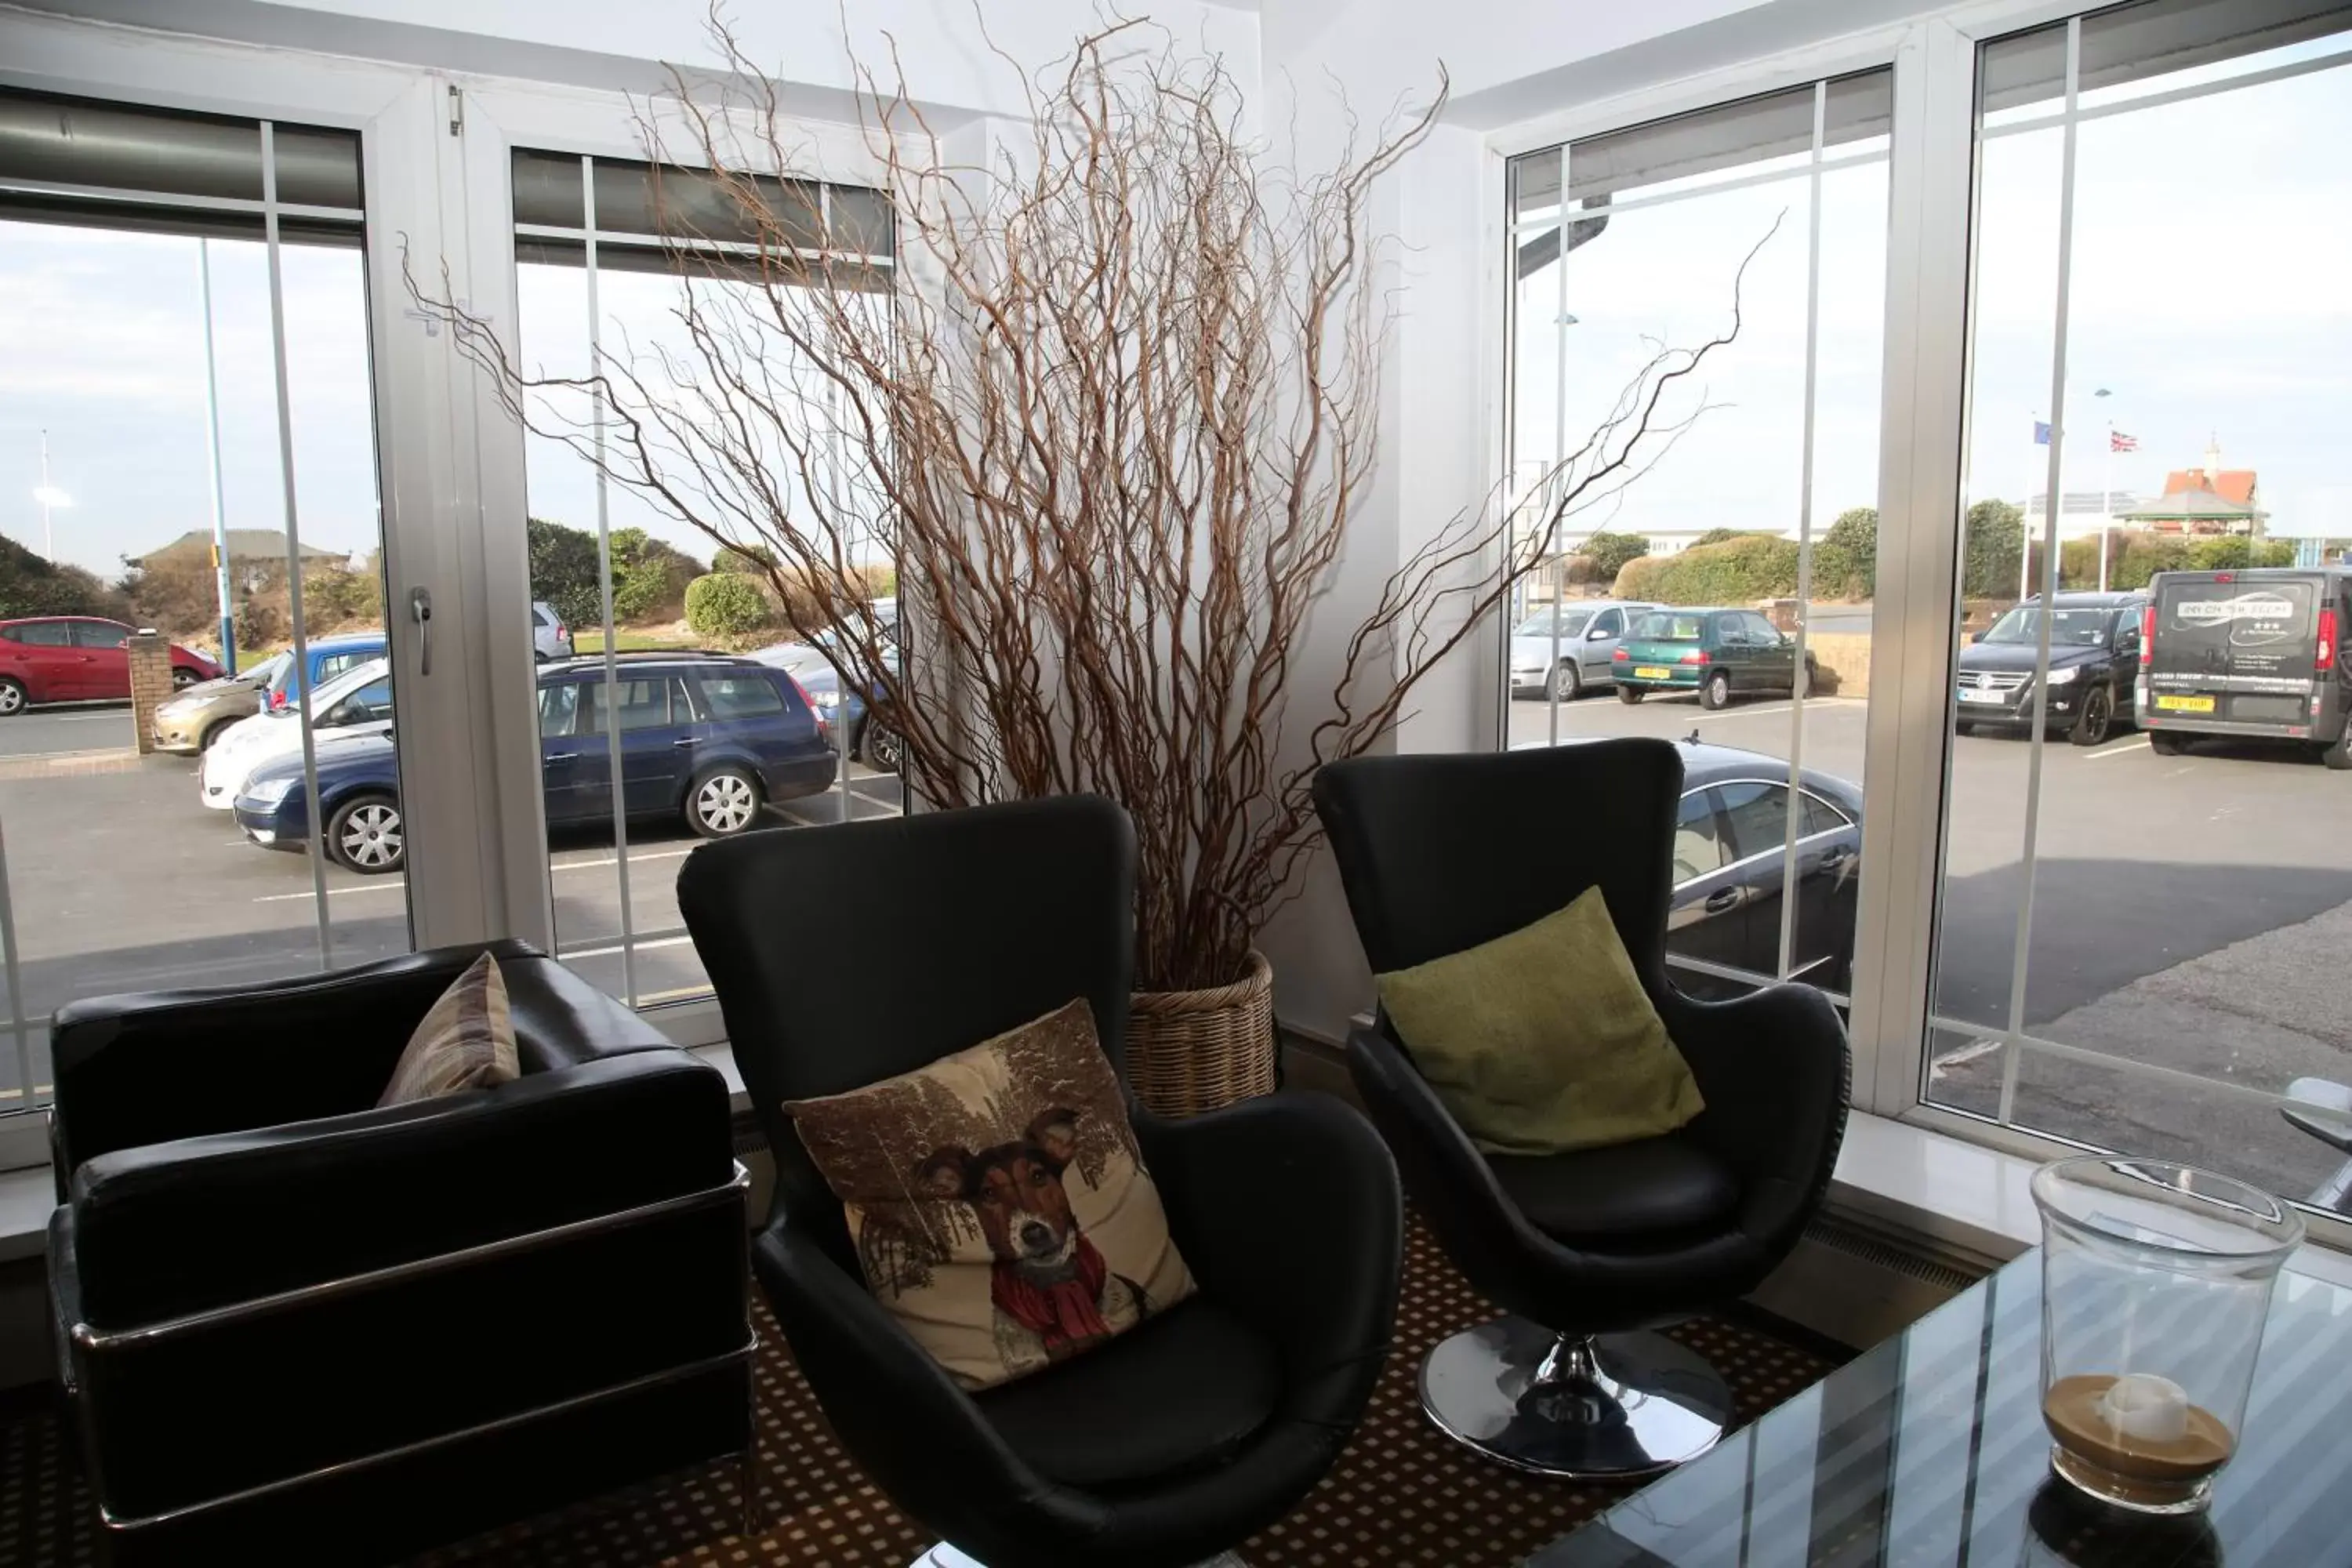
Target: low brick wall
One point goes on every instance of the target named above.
(151, 683)
(1843, 660)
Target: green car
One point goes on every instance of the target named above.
(1718, 653)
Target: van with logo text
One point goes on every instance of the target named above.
(2257, 654)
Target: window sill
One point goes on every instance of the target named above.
(1965, 1197)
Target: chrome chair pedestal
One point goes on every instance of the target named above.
(945, 1557)
(1601, 1407)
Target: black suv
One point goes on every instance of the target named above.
(2093, 660)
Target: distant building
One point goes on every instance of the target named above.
(2207, 501)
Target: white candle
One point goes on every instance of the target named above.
(2143, 1405)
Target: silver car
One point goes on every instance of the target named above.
(1576, 660)
(549, 638)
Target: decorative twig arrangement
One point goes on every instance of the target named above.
(1112, 414)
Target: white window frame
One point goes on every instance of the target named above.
(1923, 443)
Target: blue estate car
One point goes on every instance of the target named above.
(705, 736)
(330, 657)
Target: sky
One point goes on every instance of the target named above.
(2212, 238)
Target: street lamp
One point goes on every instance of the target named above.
(50, 498)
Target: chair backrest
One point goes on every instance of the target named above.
(846, 955)
(1439, 853)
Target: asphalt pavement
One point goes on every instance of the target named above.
(119, 880)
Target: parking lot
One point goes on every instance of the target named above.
(122, 881)
(2193, 912)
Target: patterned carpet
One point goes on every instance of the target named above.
(1401, 1494)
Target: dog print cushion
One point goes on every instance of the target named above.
(998, 1201)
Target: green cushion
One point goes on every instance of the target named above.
(1543, 1040)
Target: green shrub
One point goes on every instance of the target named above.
(649, 578)
(563, 571)
(257, 624)
(1996, 536)
(333, 598)
(1724, 536)
(1609, 553)
(725, 605)
(1737, 572)
(32, 584)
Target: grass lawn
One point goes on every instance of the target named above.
(591, 640)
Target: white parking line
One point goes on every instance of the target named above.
(2137, 743)
(393, 886)
(612, 860)
(609, 951)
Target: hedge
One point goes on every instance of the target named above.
(1736, 572)
(725, 605)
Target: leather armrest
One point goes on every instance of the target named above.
(920, 1437)
(1776, 1075)
(169, 1228)
(1287, 1212)
(162, 1065)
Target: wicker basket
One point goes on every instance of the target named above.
(1190, 1051)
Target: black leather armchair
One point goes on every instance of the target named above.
(845, 955)
(295, 1328)
(1589, 1248)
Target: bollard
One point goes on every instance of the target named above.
(151, 683)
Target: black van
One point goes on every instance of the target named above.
(2254, 653)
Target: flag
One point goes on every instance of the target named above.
(2042, 433)
(2119, 442)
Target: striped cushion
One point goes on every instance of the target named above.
(466, 1041)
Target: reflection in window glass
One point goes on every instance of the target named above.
(1724, 598)
(2143, 868)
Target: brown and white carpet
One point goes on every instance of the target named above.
(1401, 1493)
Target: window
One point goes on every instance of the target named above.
(2145, 880)
(1699, 844)
(559, 706)
(739, 696)
(165, 270)
(1645, 238)
(599, 285)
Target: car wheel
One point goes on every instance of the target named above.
(1629, 695)
(213, 731)
(2339, 755)
(1961, 727)
(2096, 719)
(723, 802)
(1567, 683)
(884, 751)
(365, 835)
(183, 678)
(1716, 692)
(12, 696)
(2164, 745)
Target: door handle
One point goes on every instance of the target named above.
(562, 757)
(1722, 900)
(420, 609)
(690, 741)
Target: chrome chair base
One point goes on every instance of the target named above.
(1601, 1407)
(945, 1557)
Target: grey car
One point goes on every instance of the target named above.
(549, 638)
(198, 715)
(1577, 660)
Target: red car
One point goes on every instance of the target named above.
(77, 658)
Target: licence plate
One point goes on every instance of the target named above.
(2185, 704)
(1982, 696)
(1652, 672)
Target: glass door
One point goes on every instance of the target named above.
(2146, 884)
(187, 409)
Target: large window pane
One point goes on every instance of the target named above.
(139, 387)
(719, 732)
(2146, 884)
(1686, 603)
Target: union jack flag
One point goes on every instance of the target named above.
(2119, 442)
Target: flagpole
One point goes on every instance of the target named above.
(2107, 503)
(2025, 534)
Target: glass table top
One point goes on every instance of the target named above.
(1930, 1451)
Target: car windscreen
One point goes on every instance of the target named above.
(1572, 622)
(1664, 628)
(2236, 627)
(349, 681)
(2068, 628)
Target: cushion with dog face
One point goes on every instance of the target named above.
(1543, 1040)
(999, 1201)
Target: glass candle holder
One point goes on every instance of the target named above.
(2156, 1283)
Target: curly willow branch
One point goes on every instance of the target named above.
(1112, 417)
